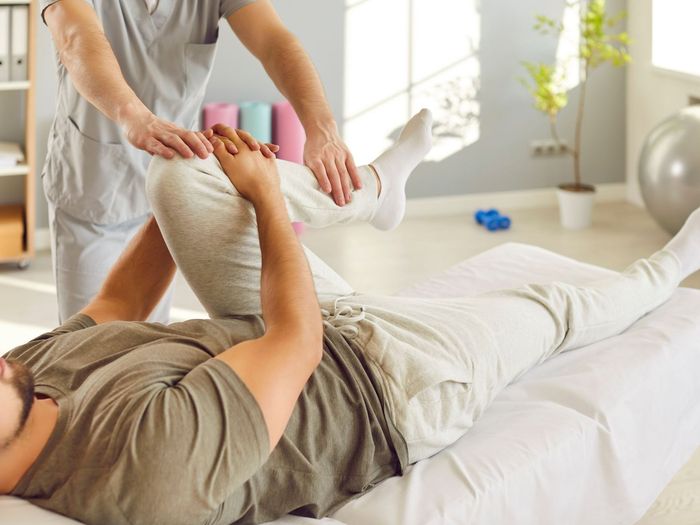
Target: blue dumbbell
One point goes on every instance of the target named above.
(492, 220)
(504, 222)
(482, 216)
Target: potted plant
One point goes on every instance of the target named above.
(598, 43)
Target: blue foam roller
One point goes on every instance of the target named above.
(256, 119)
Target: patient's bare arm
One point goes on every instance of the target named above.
(137, 281)
(276, 366)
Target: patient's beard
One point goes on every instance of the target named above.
(23, 383)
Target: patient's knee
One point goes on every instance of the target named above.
(164, 176)
(168, 179)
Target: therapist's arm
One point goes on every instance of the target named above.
(87, 55)
(260, 29)
(138, 280)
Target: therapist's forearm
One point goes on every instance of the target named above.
(292, 71)
(91, 64)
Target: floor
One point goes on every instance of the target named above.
(381, 262)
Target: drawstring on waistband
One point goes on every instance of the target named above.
(344, 318)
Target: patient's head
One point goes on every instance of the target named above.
(16, 400)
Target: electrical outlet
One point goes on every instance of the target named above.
(548, 148)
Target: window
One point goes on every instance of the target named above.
(402, 55)
(675, 35)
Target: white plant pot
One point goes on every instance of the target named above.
(576, 208)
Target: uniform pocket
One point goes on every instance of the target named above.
(95, 181)
(199, 59)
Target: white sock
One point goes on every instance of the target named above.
(686, 245)
(396, 164)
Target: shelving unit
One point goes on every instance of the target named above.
(17, 221)
(14, 86)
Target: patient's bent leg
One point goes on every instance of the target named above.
(384, 206)
(211, 230)
(212, 234)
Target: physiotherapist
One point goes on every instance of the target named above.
(131, 80)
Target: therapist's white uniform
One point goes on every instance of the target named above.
(93, 178)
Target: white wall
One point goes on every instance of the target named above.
(499, 161)
(652, 94)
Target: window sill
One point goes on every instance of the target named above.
(678, 75)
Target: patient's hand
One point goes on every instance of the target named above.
(253, 174)
(267, 149)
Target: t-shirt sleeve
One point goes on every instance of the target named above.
(44, 4)
(208, 426)
(73, 324)
(228, 7)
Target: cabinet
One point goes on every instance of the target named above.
(17, 220)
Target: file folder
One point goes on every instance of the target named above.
(4, 43)
(19, 42)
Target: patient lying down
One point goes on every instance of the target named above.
(299, 393)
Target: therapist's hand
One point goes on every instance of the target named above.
(159, 137)
(332, 163)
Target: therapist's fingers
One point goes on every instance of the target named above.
(345, 181)
(336, 184)
(319, 172)
(175, 142)
(195, 143)
(154, 147)
(266, 151)
(205, 141)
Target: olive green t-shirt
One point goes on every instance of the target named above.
(152, 431)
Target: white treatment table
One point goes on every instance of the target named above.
(590, 437)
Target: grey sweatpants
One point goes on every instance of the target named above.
(441, 361)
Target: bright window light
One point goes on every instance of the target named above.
(402, 55)
(568, 62)
(675, 35)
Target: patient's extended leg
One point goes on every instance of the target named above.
(464, 351)
(686, 245)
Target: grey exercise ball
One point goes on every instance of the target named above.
(669, 169)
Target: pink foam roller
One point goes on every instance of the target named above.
(288, 133)
(219, 113)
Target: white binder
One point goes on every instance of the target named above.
(19, 42)
(4, 43)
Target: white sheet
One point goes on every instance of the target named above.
(590, 437)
